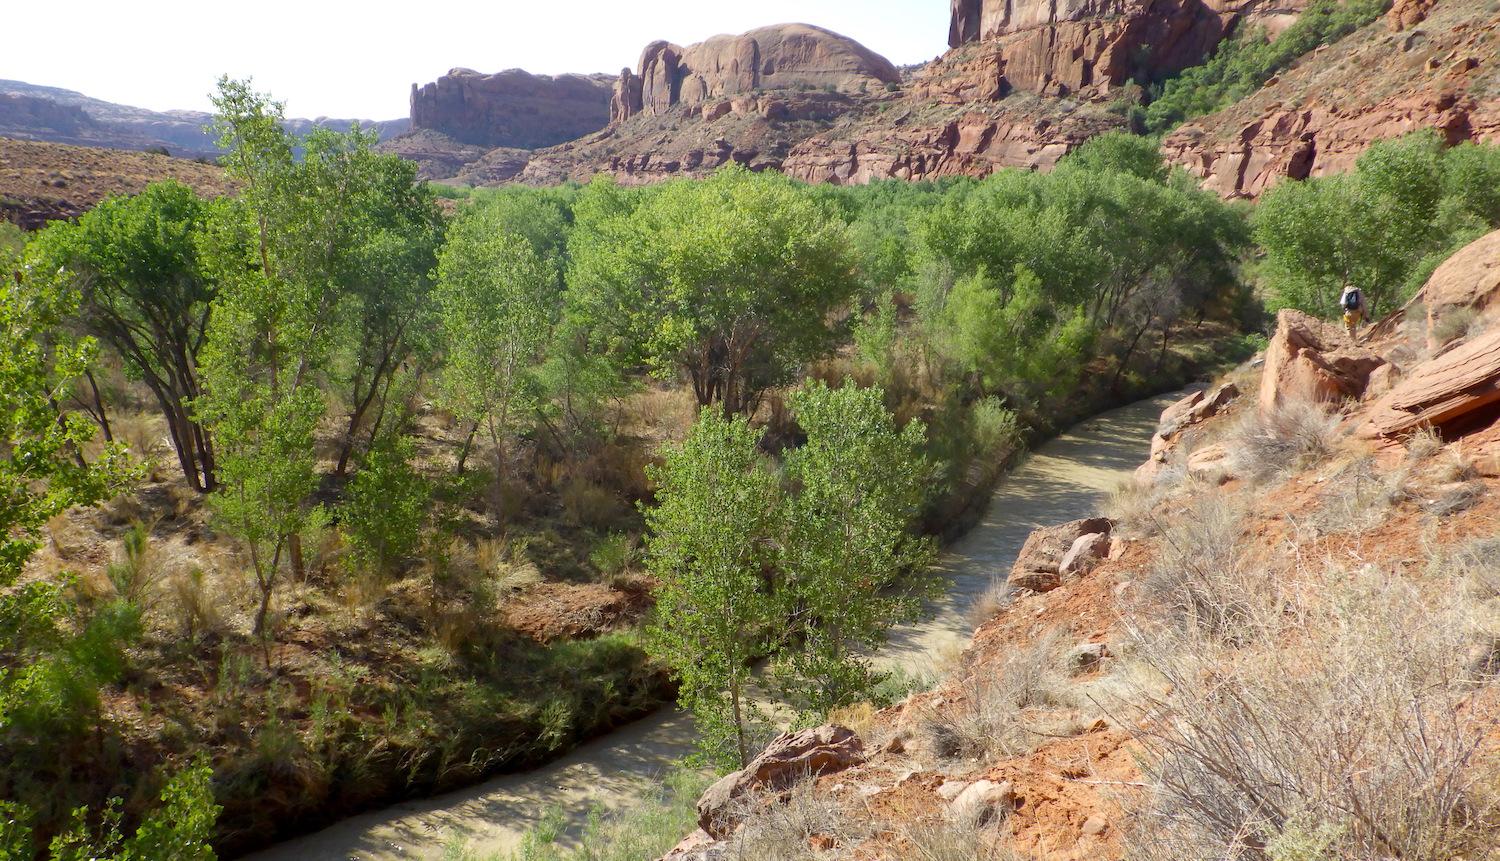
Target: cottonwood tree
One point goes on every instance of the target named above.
(133, 262)
(281, 254)
(730, 282)
(495, 297)
(847, 543)
(386, 285)
(711, 546)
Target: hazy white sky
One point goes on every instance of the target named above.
(344, 59)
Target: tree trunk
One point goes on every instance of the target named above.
(99, 413)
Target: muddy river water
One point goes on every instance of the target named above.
(1064, 479)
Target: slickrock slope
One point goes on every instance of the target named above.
(40, 182)
(1427, 65)
(513, 108)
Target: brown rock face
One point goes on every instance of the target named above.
(1469, 279)
(791, 757)
(1041, 46)
(1037, 568)
(1319, 116)
(1310, 360)
(1457, 393)
(977, 142)
(786, 56)
(513, 108)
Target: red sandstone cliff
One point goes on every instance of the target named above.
(513, 108)
(1428, 65)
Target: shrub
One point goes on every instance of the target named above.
(134, 573)
(1293, 437)
(991, 718)
(1454, 325)
(615, 555)
(1335, 727)
(385, 507)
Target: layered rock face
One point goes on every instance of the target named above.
(782, 57)
(1428, 66)
(513, 108)
(1090, 46)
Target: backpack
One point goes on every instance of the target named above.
(1352, 300)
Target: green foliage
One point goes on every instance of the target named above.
(710, 546)
(1241, 65)
(729, 281)
(385, 507)
(179, 829)
(12, 238)
(133, 261)
(1120, 152)
(847, 543)
(496, 298)
(1383, 228)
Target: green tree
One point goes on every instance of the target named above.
(495, 298)
(847, 543)
(710, 545)
(385, 506)
(278, 253)
(730, 282)
(179, 829)
(134, 264)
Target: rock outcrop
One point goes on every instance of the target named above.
(1455, 393)
(1312, 361)
(977, 141)
(513, 108)
(1177, 419)
(791, 757)
(1038, 568)
(1039, 46)
(1469, 280)
(1319, 116)
(782, 57)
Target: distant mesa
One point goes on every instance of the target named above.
(37, 113)
(513, 108)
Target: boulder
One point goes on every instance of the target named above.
(1086, 656)
(982, 801)
(1038, 566)
(1196, 408)
(698, 846)
(1457, 393)
(1085, 553)
(790, 758)
(1313, 361)
(1469, 280)
(1209, 461)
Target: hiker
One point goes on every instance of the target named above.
(1353, 303)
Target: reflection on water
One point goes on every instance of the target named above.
(1063, 480)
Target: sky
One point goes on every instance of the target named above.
(358, 60)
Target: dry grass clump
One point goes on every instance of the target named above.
(784, 828)
(1200, 579)
(992, 602)
(1333, 725)
(1360, 495)
(997, 710)
(955, 840)
(1455, 325)
(1293, 437)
